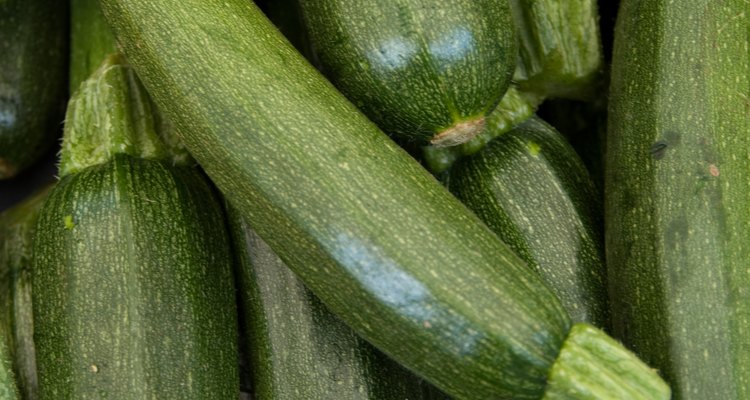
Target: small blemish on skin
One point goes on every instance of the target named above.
(94, 368)
(427, 324)
(534, 148)
(658, 150)
(713, 170)
(69, 224)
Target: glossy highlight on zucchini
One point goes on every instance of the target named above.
(422, 70)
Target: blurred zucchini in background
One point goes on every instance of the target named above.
(33, 57)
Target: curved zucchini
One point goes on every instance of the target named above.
(677, 191)
(133, 294)
(532, 190)
(8, 390)
(17, 227)
(371, 233)
(299, 349)
(32, 79)
(422, 70)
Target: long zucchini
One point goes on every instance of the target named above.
(33, 49)
(299, 349)
(17, 227)
(133, 294)
(371, 233)
(677, 193)
(422, 70)
(530, 187)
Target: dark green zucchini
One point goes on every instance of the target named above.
(298, 349)
(16, 320)
(560, 52)
(531, 188)
(8, 390)
(422, 70)
(371, 233)
(133, 293)
(91, 40)
(677, 191)
(33, 54)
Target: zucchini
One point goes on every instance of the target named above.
(560, 52)
(32, 80)
(299, 349)
(422, 70)
(16, 232)
(372, 234)
(677, 197)
(133, 293)
(8, 390)
(91, 40)
(532, 190)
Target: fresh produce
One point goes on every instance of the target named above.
(422, 70)
(532, 190)
(299, 349)
(91, 40)
(371, 233)
(16, 320)
(33, 50)
(677, 192)
(8, 390)
(133, 290)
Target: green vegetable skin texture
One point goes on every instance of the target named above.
(560, 52)
(90, 40)
(16, 316)
(133, 290)
(8, 390)
(678, 195)
(299, 349)
(369, 231)
(416, 67)
(530, 188)
(33, 53)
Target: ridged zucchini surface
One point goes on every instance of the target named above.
(17, 227)
(299, 350)
(678, 193)
(133, 289)
(33, 56)
(532, 189)
(423, 70)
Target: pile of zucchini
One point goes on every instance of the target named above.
(361, 200)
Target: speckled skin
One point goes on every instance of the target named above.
(532, 189)
(133, 294)
(8, 390)
(33, 67)
(364, 226)
(298, 349)
(416, 67)
(678, 192)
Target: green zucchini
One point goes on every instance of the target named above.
(133, 293)
(299, 349)
(677, 191)
(32, 80)
(371, 233)
(91, 40)
(422, 70)
(16, 320)
(532, 190)
(560, 52)
(8, 390)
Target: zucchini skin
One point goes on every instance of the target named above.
(32, 80)
(299, 349)
(415, 67)
(17, 226)
(8, 390)
(677, 193)
(133, 294)
(91, 40)
(531, 188)
(342, 205)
